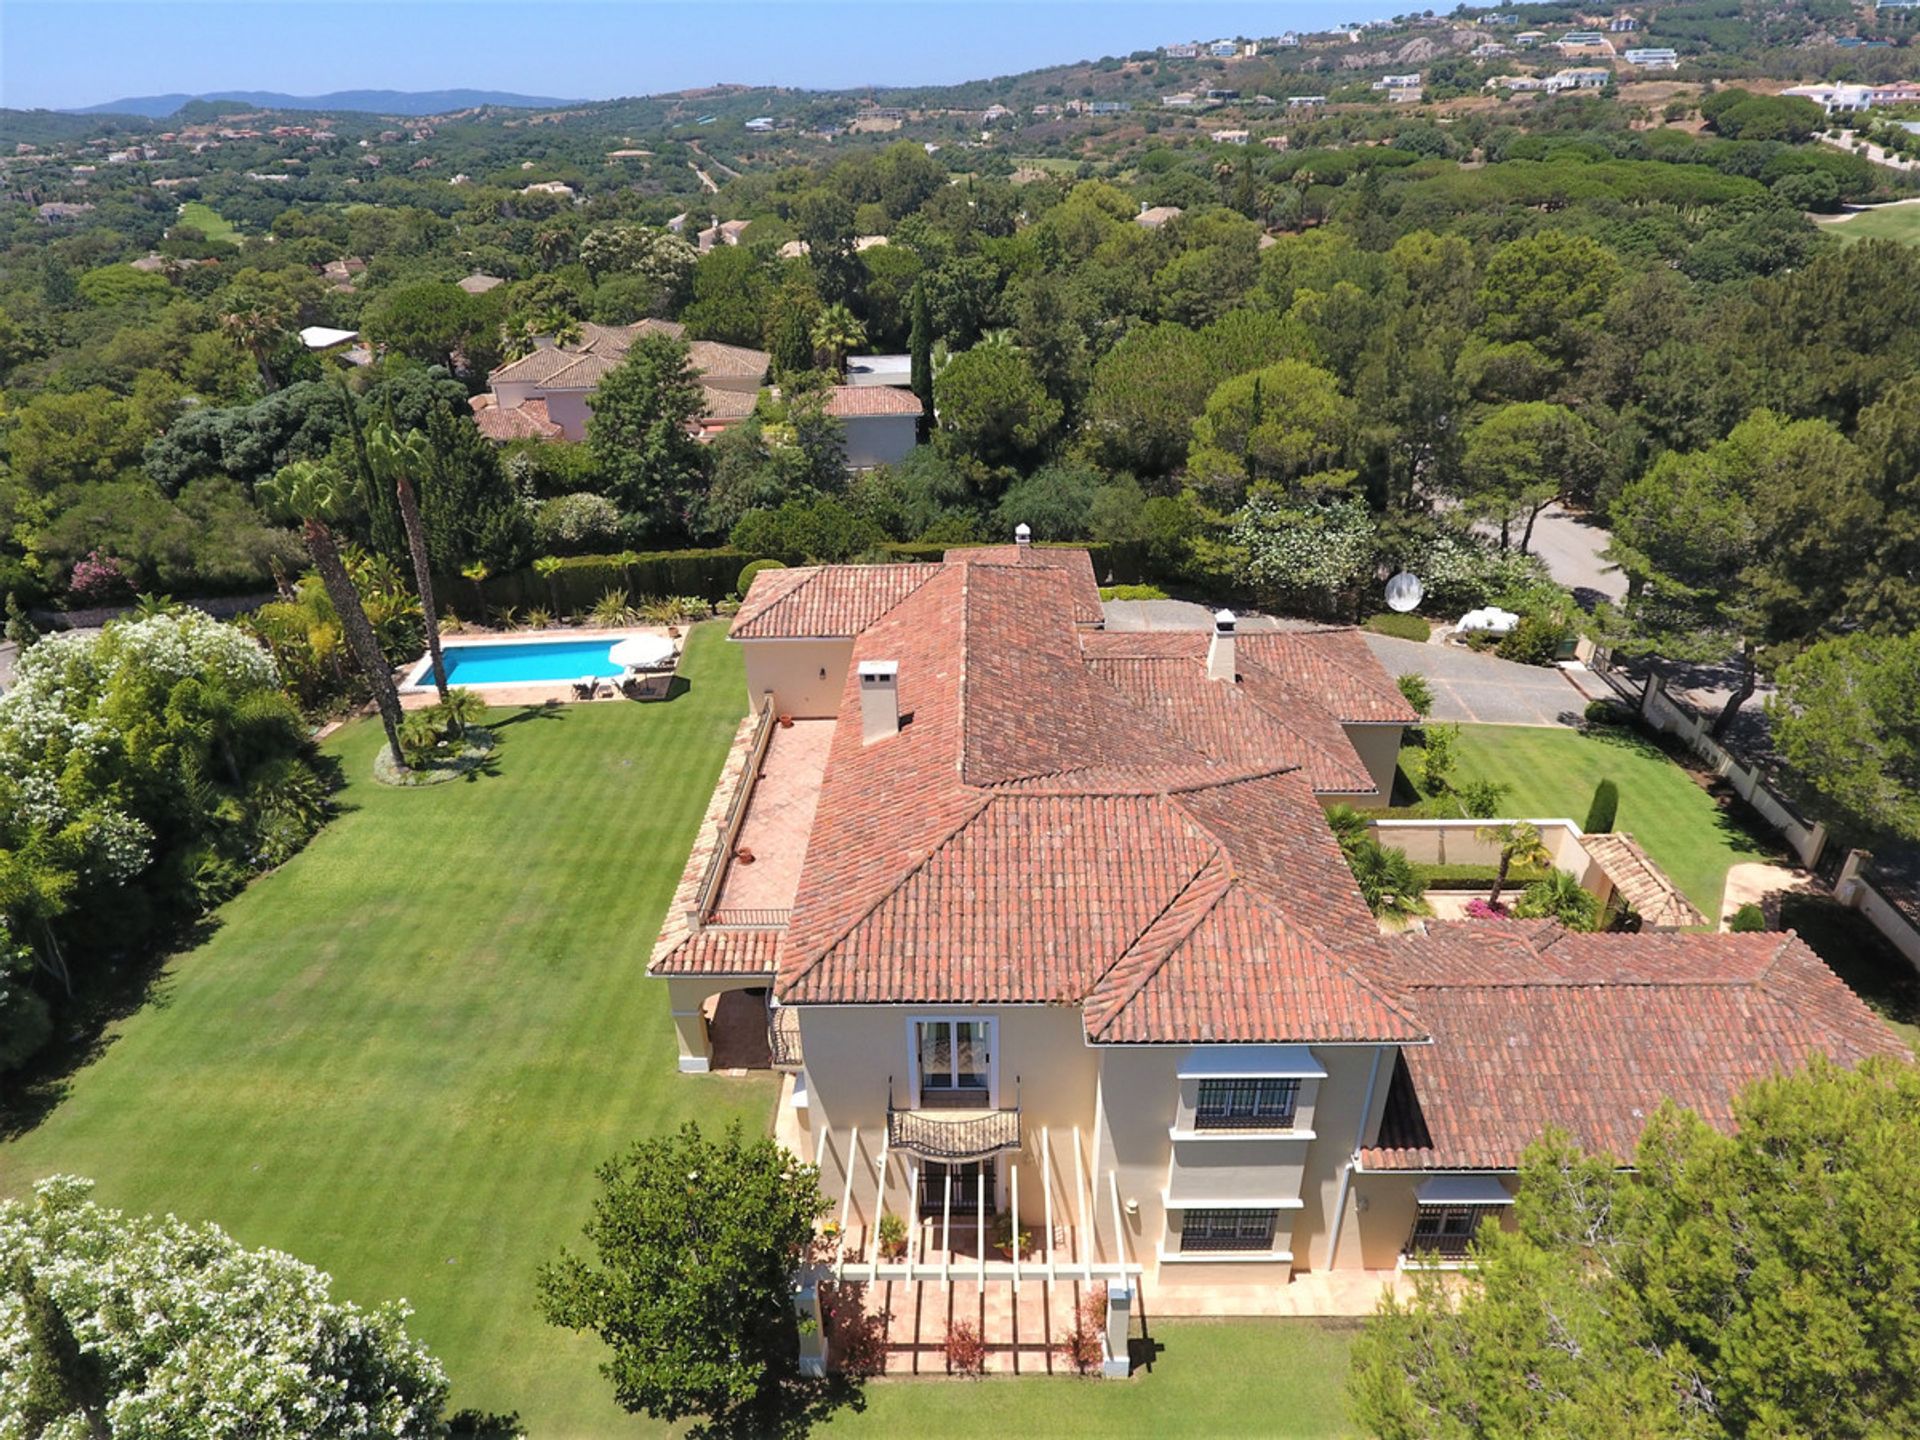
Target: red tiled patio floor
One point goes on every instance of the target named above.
(1023, 1332)
(779, 819)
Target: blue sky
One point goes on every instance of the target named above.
(57, 53)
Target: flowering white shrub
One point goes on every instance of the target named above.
(1310, 556)
(191, 1334)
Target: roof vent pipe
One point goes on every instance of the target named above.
(1220, 664)
(879, 700)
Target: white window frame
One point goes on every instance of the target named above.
(914, 1022)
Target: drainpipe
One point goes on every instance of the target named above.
(1346, 1171)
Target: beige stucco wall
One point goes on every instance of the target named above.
(791, 670)
(1042, 1054)
(1379, 749)
(569, 410)
(511, 395)
(878, 439)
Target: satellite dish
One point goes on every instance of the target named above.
(1404, 592)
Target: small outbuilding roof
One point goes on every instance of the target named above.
(1644, 885)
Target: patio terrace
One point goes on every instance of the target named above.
(778, 818)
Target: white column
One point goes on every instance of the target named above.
(1116, 1365)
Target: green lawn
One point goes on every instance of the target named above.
(1283, 1379)
(1552, 773)
(1883, 222)
(401, 1056)
(208, 221)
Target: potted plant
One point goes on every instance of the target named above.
(1006, 1231)
(893, 1236)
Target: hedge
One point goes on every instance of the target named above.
(579, 580)
(1476, 877)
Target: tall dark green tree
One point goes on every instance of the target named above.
(640, 435)
(920, 351)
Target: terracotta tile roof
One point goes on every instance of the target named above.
(727, 404)
(847, 402)
(1645, 886)
(710, 357)
(824, 601)
(1076, 564)
(479, 284)
(534, 366)
(1335, 667)
(1534, 1026)
(1260, 717)
(527, 422)
(722, 952)
(583, 372)
(1031, 835)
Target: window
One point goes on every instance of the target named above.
(1204, 1230)
(953, 1059)
(1246, 1105)
(1444, 1232)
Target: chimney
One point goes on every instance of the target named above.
(879, 700)
(1220, 649)
(1022, 538)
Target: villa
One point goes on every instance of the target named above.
(1045, 921)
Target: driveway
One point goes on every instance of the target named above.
(1483, 689)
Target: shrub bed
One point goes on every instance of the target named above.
(1476, 877)
(1401, 627)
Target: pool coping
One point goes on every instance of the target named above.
(417, 675)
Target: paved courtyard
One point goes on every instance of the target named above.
(1481, 689)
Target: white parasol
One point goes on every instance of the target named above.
(643, 652)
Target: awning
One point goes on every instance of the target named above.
(1463, 1190)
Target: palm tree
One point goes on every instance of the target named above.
(477, 572)
(1387, 880)
(256, 328)
(1561, 897)
(462, 709)
(1520, 844)
(392, 458)
(836, 334)
(314, 493)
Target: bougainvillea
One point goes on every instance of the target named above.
(99, 580)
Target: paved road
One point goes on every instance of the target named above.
(1571, 545)
(1483, 689)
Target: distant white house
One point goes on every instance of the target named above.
(325, 337)
(1528, 39)
(1835, 99)
(1398, 82)
(1305, 102)
(1490, 50)
(1657, 58)
(760, 124)
(1230, 137)
(1224, 49)
(1579, 77)
(1291, 41)
(1181, 52)
(1182, 100)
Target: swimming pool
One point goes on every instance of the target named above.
(519, 662)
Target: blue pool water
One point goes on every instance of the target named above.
(522, 662)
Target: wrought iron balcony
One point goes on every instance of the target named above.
(948, 1133)
(783, 1039)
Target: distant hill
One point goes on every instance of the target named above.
(376, 102)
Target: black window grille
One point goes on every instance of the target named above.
(1246, 1104)
(1205, 1230)
(1445, 1232)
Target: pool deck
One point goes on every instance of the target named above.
(541, 692)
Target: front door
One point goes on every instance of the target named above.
(954, 1064)
(962, 1185)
